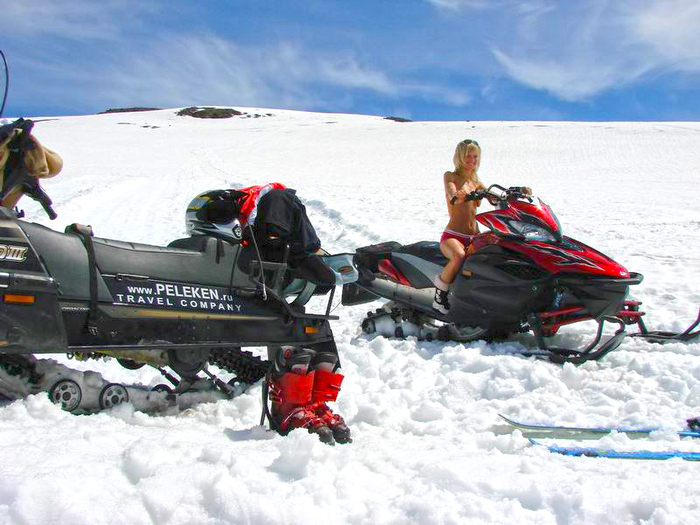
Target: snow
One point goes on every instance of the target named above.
(428, 446)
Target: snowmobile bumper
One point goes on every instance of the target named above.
(594, 351)
(600, 300)
(600, 296)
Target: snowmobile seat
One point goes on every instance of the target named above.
(369, 256)
(194, 260)
(197, 243)
(199, 259)
(426, 250)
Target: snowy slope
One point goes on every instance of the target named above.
(429, 446)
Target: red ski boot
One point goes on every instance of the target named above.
(326, 388)
(290, 387)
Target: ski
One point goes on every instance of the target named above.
(619, 454)
(590, 432)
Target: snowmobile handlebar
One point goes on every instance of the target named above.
(505, 194)
(32, 189)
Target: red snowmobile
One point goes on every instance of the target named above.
(522, 275)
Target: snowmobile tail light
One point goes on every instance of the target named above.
(311, 330)
(21, 299)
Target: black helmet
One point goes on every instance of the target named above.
(215, 213)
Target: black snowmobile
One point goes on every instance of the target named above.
(522, 275)
(196, 302)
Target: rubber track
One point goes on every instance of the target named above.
(247, 367)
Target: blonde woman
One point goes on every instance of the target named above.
(462, 226)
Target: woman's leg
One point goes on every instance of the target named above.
(454, 250)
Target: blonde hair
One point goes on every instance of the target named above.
(461, 151)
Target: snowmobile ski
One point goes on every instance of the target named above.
(592, 452)
(658, 336)
(593, 432)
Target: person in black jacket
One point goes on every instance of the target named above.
(281, 215)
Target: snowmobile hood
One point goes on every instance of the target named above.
(569, 256)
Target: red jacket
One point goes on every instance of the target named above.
(249, 203)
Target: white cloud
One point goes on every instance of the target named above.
(457, 5)
(570, 82)
(346, 72)
(672, 30)
(578, 53)
(572, 50)
(178, 70)
(126, 60)
(578, 50)
(74, 20)
(574, 53)
(523, 7)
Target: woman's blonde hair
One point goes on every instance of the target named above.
(461, 151)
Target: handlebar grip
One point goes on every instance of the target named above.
(33, 190)
(45, 202)
(49, 211)
(473, 196)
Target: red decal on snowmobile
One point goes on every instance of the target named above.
(387, 268)
(557, 259)
(497, 221)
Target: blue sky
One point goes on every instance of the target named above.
(421, 59)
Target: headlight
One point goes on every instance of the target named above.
(532, 232)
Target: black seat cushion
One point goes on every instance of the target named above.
(200, 259)
(369, 256)
(426, 250)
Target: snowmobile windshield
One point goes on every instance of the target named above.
(532, 232)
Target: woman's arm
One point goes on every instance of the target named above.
(480, 186)
(450, 187)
